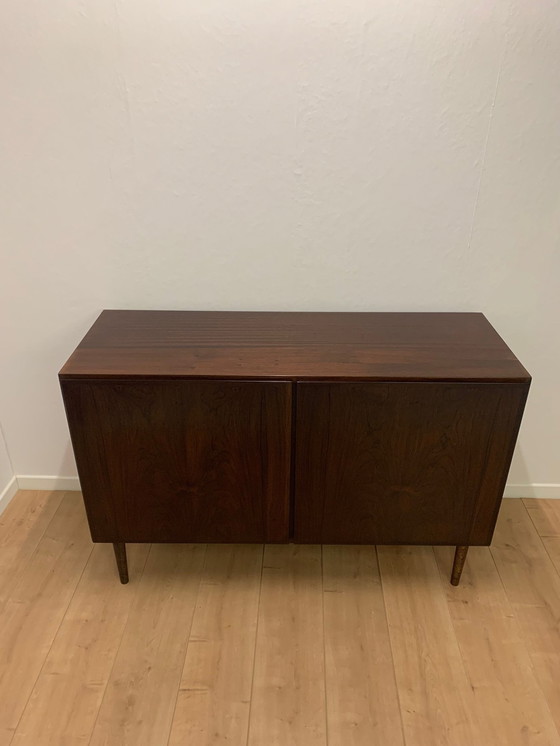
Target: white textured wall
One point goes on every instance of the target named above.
(316, 154)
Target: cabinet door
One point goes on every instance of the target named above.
(183, 460)
(403, 463)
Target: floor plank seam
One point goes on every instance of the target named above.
(172, 718)
(255, 648)
(59, 624)
(542, 536)
(548, 553)
(125, 625)
(520, 627)
(375, 549)
(444, 581)
(324, 649)
(530, 514)
(522, 554)
(22, 569)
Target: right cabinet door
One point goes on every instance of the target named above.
(402, 463)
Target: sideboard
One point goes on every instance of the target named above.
(369, 428)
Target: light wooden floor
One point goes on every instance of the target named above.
(293, 645)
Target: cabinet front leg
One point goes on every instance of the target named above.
(120, 555)
(458, 564)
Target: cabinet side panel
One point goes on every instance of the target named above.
(182, 460)
(499, 454)
(90, 455)
(402, 463)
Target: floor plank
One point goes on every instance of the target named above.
(139, 701)
(532, 585)
(22, 526)
(509, 705)
(288, 697)
(435, 696)
(362, 699)
(215, 691)
(545, 515)
(36, 607)
(68, 693)
(552, 546)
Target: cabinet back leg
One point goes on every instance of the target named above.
(458, 564)
(122, 564)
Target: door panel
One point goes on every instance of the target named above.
(402, 463)
(179, 460)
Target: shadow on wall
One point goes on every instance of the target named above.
(518, 476)
(68, 463)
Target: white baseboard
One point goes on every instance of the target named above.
(37, 482)
(549, 491)
(72, 484)
(8, 492)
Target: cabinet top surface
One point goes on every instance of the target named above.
(294, 345)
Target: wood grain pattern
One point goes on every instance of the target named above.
(373, 346)
(552, 546)
(183, 460)
(32, 614)
(533, 588)
(22, 526)
(215, 690)
(508, 704)
(435, 696)
(498, 632)
(66, 698)
(288, 701)
(545, 515)
(362, 698)
(384, 428)
(139, 701)
(402, 463)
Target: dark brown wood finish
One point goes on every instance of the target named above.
(402, 463)
(295, 346)
(122, 563)
(182, 460)
(323, 427)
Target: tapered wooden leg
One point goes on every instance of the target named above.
(120, 555)
(458, 564)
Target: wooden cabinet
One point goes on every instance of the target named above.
(311, 427)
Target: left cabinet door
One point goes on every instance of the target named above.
(182, 460)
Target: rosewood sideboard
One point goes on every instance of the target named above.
(345, 428)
